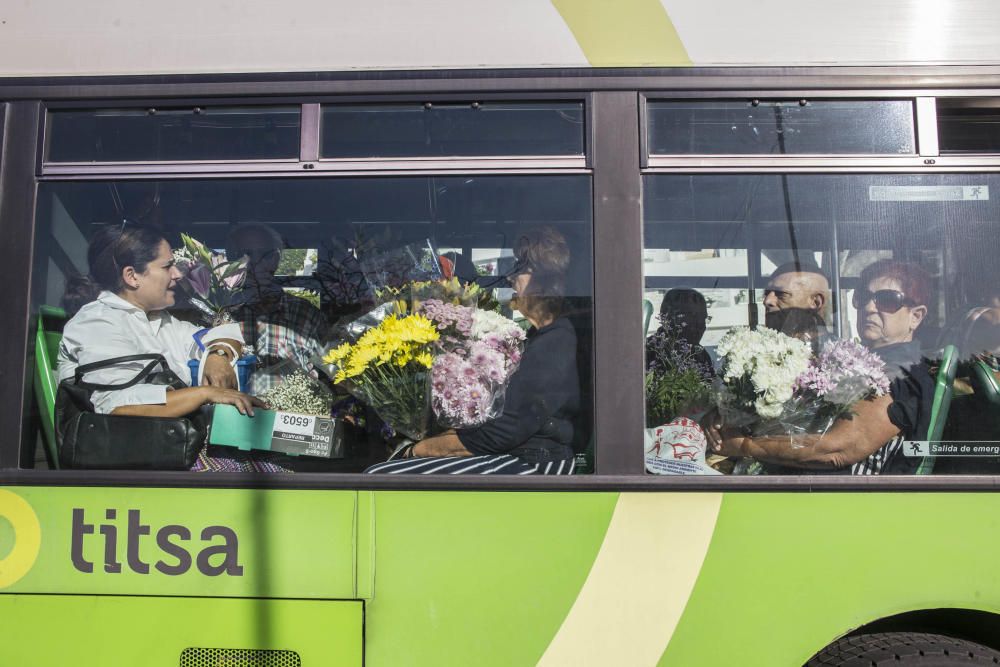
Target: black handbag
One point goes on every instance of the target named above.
(95, 441)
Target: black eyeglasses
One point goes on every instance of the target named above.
(886, 300)
(516, 270)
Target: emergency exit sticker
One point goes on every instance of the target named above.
(928, 192)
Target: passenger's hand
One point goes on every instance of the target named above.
(711, 424)
(242, 402)
(731, 443)
(218, 372)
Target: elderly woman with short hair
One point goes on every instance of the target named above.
(891, 302)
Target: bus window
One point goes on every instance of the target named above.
(764, 127)
(169, 134)
(324, 234)
(447, 129)
(902, 265)
(967, 125)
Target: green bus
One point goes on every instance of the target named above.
(674, 145)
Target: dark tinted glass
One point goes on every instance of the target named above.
(968, 125)
(725, 237)
(775, 128)
(438, 130)
(336, 235)
(203, 133)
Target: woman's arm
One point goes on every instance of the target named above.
(443, 444)
(181, 402)
(846, 443)
(219, 371)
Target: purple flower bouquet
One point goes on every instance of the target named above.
(843, 373)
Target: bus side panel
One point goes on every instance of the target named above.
(464, 578)
(108, 631)
(786, 574)
(203, 542)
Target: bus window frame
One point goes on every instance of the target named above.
(613, 144)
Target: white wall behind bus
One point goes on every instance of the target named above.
(63, 37)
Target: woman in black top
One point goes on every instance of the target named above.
(892, 303)
(534, 432)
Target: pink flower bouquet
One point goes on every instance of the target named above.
(479, 351)
(212, 282)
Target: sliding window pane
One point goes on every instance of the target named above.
(453, 130)
(968, 125)
(155, 135)
(883, 127)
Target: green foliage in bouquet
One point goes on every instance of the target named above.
(676, 383)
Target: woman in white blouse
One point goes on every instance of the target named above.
(124, 301)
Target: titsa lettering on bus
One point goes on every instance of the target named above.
(172, 540)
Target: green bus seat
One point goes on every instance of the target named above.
(47, 337)
(944, 387)
(984, 383)
(647, 315)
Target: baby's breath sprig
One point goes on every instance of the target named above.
(299, 393)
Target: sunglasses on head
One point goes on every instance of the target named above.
(886, 300)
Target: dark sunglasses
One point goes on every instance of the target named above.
(886, 300)
(516, 270)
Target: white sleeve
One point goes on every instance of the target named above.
(94, 338)
(230, 331)
(141, 394)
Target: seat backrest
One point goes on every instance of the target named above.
(984, 383)
(47, 338)
(944, 389)
(647, 315)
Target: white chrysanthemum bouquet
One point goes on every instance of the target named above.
(757, 376)
(770, 383)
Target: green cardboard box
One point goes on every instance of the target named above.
(285, 432)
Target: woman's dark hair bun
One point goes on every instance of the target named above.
(111, 249)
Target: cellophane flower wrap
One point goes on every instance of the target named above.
(479, 350)
(388, 368)
(843, 373)
(677, 384)
(213, 283)
(757, 377)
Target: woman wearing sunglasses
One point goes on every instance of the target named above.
(891, 303)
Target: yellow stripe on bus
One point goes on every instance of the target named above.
(624, 33)
(640, 581)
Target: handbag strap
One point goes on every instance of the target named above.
(155, 360)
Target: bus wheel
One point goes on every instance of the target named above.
(903, 648)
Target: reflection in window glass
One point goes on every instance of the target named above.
(776, 128)
(312, 244)
(200, 133)
(441, 130)
(890, 274)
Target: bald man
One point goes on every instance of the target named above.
(801, 285)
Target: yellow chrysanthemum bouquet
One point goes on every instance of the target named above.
(388, 368)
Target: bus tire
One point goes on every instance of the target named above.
(903, 648)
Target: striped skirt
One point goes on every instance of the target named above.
(494, 464)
